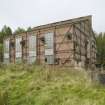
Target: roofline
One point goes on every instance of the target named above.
(74, 20)
(70, 21)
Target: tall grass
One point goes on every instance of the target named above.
(43, 85)
(3, 98)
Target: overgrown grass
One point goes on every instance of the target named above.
(37, 85)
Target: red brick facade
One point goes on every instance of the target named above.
(74, 43)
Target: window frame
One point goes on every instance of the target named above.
(49, 49)
(49, 38)
(6, 50)
(18, 49)
(32, 52)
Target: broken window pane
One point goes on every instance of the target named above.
(49, 59)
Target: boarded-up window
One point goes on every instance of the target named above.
(49, 48)
(6, 51)
(18, 49)
(32, 49)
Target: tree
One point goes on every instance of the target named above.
(29, 29)
(100, 42)
(1, 52)
(6, 31)
(19, 30)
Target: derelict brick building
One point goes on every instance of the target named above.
(69, 43)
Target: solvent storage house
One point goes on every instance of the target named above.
(65, 43)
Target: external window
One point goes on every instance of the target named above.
(18, 49)
(49, 41)
(6, 51)
(32, 49)
(49, 48)
(88, 49)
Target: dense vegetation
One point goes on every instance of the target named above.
(36, 85)
(100, 41)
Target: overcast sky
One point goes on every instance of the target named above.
(24, 13)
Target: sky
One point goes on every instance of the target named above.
(25, 13)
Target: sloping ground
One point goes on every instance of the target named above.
(31, 85)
